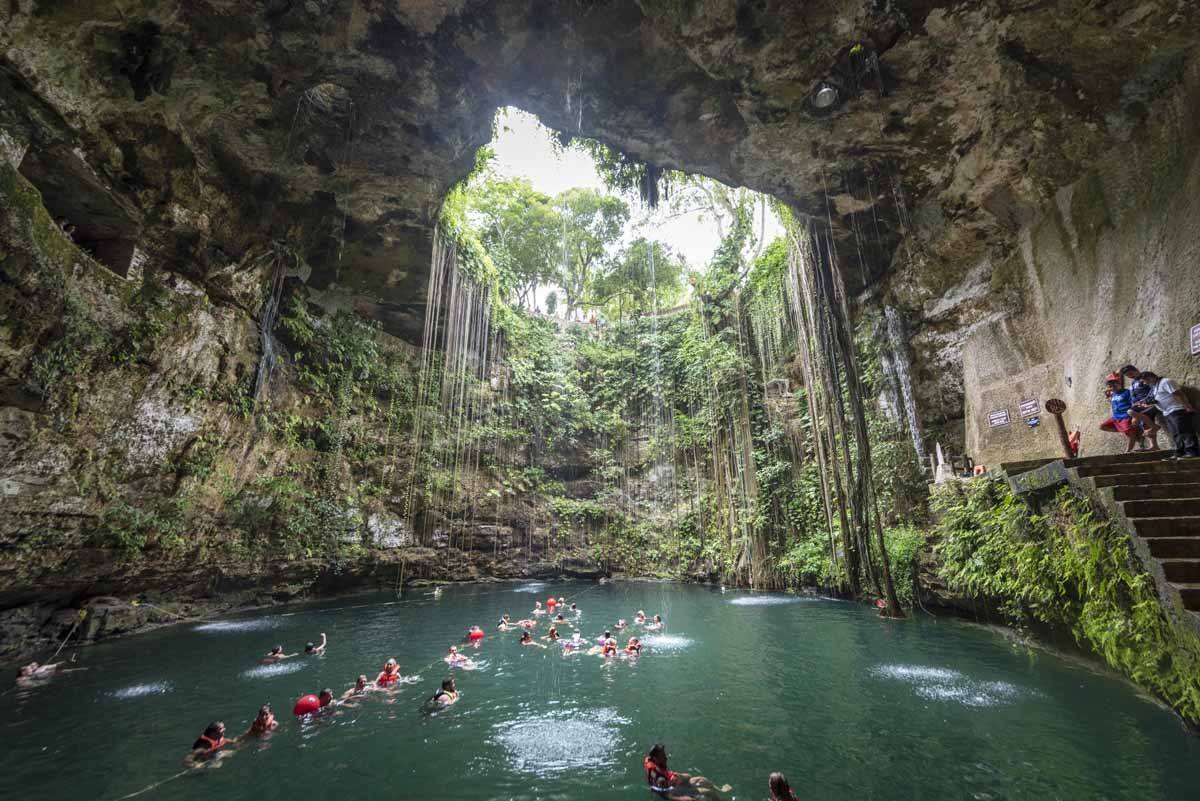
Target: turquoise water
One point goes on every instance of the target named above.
(848, 705)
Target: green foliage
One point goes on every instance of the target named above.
(1064, 565)
(59, 369)
(132, 529)
(904, 542)
(281, 514)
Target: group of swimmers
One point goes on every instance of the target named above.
(213, 744)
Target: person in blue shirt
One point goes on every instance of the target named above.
(1145, 415)
(1120, 422)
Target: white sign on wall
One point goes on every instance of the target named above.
(998, 418)
(1030, 408)
(1196, 339)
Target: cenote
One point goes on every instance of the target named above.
(848, 704)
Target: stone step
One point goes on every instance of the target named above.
(1190, 467)
(1166, 526)
(1174, 547)
(1024, 466)
(1118, 458)
(1168, 507)
(1146, 492)
(1181, 570)
(1189, 593)
(1145, 479)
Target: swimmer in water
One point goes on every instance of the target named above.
(264, 722)
(316, 650)
(326, 698)
(573, 645)
(777, 783)
(609, 648)
(633, 647)
(560, 619)
(446, 695)
(640, 617)
(453, 657)
(361, 687)
(527, 639)
(35, 672)
(527, 623)
(621, 624)
(505, 623)
(656, 625)
(475, 636)
(389, 675)
(537, 608)
(275, 654)
(208, 746)
(553, 635)
(669, 784)
(575, 609)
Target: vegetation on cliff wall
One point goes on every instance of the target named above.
(1061, 563)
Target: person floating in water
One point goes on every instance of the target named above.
(210, 747)
(640, 617)
(553, 635)
(475, 636)
(575, 609)
(669, 784)
(361, 687)
(559, 619)
(633, 647)
(527, 639)
(325, 697)
(656, 625)
(35, 672)
(537, 608)
(445, 696)
(316, 650)
(777, 783)
(526, 623)
(389, 675)
(505, 623)
(573, 645)
(453, 657)
(276, 654)
(621, 624)
(263, 723)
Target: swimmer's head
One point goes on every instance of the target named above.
(215, 730)
(658, 618)
(361, 682)
(27, 670)
(607, 634)
(657, 754)
(309, 647)
(325, 696)
(452, 650)
(278, 649)
(777, 783)
(560, 617)
(448, 685)
(264, 713)
(391, 663)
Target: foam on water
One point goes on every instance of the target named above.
(274, 669)
(547, 746)
(666, 642)
(138, 690)
(765, 600)
(531, 588)
(942, 684)
(232, 626)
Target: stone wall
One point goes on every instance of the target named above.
(1110, 274)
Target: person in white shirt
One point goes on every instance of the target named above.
(1177, 412)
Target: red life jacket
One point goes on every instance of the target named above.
(658, 779)
(214, 745)
(387, 678)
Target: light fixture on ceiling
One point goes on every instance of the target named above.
(825, 96)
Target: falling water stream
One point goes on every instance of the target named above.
(738, 685)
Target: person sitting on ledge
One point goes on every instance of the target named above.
(1120, 422)
(1178, 413)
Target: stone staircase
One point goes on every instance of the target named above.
(1158, 502)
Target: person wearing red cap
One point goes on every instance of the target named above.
(1120, 422)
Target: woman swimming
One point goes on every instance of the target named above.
(389, 675)
(208, 746)
(621, 624)
(263, 723)
(505, 623)
(275, 654)
(553, 635)
(669, 784)
(633, 647)
(316, 650)
(361, 687)
(446, 695)
(777, 783)
(609, 648)
(640, 617)
(656, 625)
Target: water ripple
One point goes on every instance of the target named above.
(274, 669)
(666, 642)
(767, 600)
(550, 745)
(943, 684)
(138, 690)
(233, 626)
